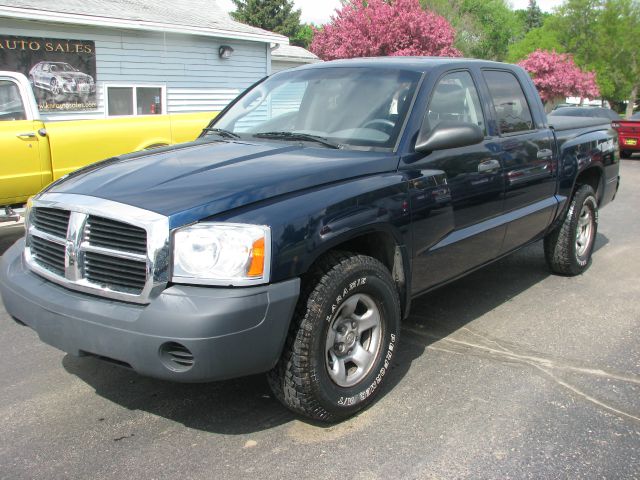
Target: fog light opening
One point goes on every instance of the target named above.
(176, 357)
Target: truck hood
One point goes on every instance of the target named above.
(194, 181)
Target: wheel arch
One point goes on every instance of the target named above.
(592, 176)
(380, 242)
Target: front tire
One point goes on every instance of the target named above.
(341, 341)
(55, 87)
(569, 246)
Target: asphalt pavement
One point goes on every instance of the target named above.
(508, 373)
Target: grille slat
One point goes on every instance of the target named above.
(51, 220)
(115, 283)
(137, 271)
(48, 254)
(116, 244)
(115, 273)
(104, 233)
(110, 229)
(92, 270)
(107, 233)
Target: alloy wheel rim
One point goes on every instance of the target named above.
(353, 340)
(584, 231)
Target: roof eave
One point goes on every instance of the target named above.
(294, 59)
(76, 19)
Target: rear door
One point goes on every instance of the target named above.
(526, 149)
(20, 174)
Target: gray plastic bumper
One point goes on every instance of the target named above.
(230, 332)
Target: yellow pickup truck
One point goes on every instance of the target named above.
(34, 153)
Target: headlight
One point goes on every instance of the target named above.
(222, 254)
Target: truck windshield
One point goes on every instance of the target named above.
(62, 67)
(347, 107)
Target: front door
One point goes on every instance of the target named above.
(20, 173)
(456, 194)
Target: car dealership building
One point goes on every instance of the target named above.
(101, 58)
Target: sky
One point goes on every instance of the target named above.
(320, 11)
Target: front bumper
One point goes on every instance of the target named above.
(78, 89)
(230, 332)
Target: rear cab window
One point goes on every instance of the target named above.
(513, 113)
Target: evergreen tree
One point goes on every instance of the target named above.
(534, 17)
(277, 16)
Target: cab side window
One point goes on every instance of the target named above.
(512, 110)
(455, 99)
(11, 106)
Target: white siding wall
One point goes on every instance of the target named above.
(278, 66)
(196, 79)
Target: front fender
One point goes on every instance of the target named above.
(305, 225)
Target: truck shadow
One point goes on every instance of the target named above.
(246, 405)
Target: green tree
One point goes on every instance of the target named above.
(533, 17)
(545, 37)
(618, 58)
(274, 15)
(485, 28)
(304, 37)
(601, 35)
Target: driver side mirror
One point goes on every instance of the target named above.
(448, 135)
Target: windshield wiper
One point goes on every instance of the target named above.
(222, 132)
(305, 137)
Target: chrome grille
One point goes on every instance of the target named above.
(98, 246)
(51, 220)
(115, 273)
(48, 254)
(107, 233)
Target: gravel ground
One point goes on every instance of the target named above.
(508, 373)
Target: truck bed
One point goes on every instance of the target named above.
(561, 124)
(568, 128)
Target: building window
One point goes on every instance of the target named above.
(134, 100)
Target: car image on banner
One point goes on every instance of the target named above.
(62, 72)
(61, 80)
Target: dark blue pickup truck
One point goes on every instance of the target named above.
(291, 236)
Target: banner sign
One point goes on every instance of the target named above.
(62, 72)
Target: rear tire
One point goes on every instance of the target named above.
(625, 154)
(341, 341)
(568, 247)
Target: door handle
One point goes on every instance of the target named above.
(488, 166)
(545, 153)
(26, 135)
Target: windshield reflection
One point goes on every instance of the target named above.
(344, 107)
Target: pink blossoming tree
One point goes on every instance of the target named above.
(557, 76)
(377, 27)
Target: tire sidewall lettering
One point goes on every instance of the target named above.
(346, 291)
(352, 397)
